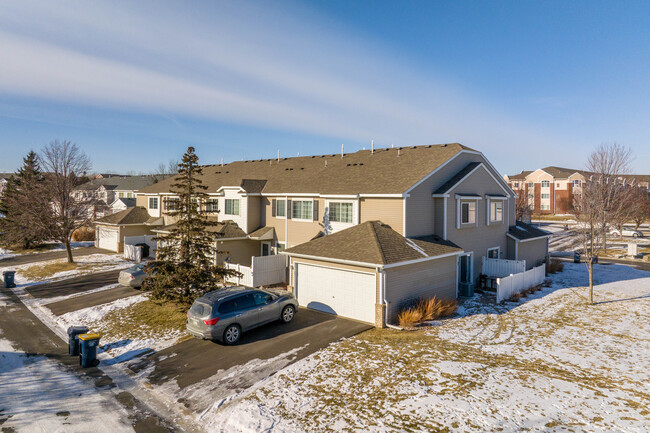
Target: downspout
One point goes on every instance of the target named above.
(383, 300)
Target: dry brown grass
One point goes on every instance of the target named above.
(40, 272)
(554, 266)
(427, 309)
(84, 234)
(143, 318)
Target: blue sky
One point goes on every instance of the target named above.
(530, 84)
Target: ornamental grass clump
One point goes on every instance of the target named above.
(425, 310)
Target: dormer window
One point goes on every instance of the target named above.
(232, 206)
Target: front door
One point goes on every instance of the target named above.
(266, 248)
(465, 268)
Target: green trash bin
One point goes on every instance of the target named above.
(88, 344)
(8, 277)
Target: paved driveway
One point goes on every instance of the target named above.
(193, 360)
(74, 285)
(41, 257)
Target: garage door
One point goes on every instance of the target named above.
(107, 238)
(336, 291)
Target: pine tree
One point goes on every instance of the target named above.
(25, 205)
(184, 268)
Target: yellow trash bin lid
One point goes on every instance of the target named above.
(90, 336)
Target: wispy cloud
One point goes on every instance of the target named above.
(247, 64)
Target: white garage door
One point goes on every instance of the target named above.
(341, 292)
(107, 238)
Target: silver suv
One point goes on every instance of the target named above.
(224, 314)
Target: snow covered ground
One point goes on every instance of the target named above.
(37, 395)
(549, 363)
(5, 254)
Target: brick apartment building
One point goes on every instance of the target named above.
(550, 190)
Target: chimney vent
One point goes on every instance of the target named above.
(372, 147)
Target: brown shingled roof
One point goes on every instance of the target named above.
(383, 172)
(133, 215)
(373, 242)
(223, 229)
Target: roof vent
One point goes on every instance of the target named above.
(349, 165)
(361, 163)
(227, 171)
(302, 168)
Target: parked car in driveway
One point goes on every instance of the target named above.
(627, 232)
(133, 276)
(225, 314)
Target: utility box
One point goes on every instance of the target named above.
(632, 249)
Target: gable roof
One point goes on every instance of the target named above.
(561, 172)
(120, 183)
(522, 231)
(373, 242)
(133, 215)
(520, 176)
(386, 171)
(128, 202)
(457, 177)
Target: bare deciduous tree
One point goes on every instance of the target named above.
(640, 207)
(169, 169)
(601, 201)
(523, 208)
(66, 163)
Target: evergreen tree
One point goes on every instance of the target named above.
(184, 268)
(25, 206)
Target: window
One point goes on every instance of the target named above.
(496, 211)
(493, 253)
(531, 196)
(153, 202)
(576, 182)
(232, 206)
(302, 209)
(468, 213)
(121, 195)
(340, 212)
(262, 298)
(531, 184)
(279, 247)
(239, 303)
(546, 184)
(516, 184)
(212, 205)
(546, 195)
(545, 207)
(281, 208)
(172, 204)
(557, 185)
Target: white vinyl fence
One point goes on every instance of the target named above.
(131, 252)
(502, 267)
(508, 286)
(264, 271)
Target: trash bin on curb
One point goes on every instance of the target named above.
(145, 249)
(73, 339)
(576, 257)
(8, 277)
(88, 349)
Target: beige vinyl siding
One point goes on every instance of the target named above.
(299, 231)
(239, 251)
(267, 218)
(478, 238)
(420, 280)
(135, 230)
(253, 213)
(141, 200)
(534, 252)
(387, 210)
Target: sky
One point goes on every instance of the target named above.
(529, 84)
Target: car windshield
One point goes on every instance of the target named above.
(200, 310)
(136, 268)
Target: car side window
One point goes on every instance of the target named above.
(262, 298)
(245, 302)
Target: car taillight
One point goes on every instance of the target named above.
(188, 313)
(130, 277)
(211, 322)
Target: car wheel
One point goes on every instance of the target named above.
(635, 235)
(231, 334)
(287, 313)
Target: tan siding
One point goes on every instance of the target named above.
(239, 251)
(141, 200)
(534, 252)
(420, 280)
(478, 238)
(303, 231)
(267, 218)
(253, 213)
(387, 210)
(139, 230)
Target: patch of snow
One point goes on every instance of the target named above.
(5, 254)
(36, 395)
(91, 315)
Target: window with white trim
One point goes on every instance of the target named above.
(496, 211)
(576, 182)
(493, 253)
(279, 247)
(468, 213)
(531, 184)
(153, 202)
(302, 209)
(232, 206)
(545, 207)
(340, 212)
(546, 184)
(212, 205)
(546, 195)
(281, 208)
(172, 204)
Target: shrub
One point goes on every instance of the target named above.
(515, 297)
(554, 266)
(83, 234)
(426, 309)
